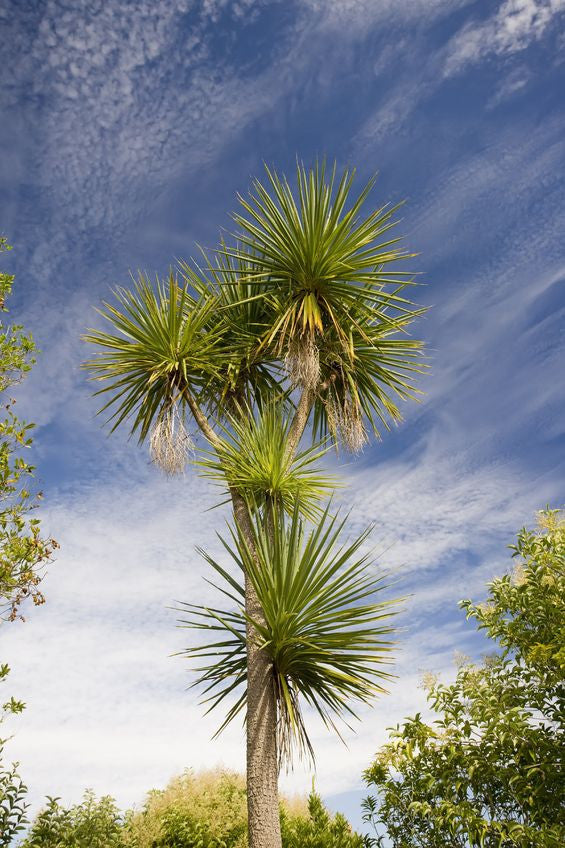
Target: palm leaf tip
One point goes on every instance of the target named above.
(326, 631)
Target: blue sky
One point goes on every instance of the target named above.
(127, 129)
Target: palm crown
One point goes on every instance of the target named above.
(307, 286)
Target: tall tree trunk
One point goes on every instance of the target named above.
(262, 762)
(261, 728)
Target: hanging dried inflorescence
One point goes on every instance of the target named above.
(302, 362)
(345, 419)
(353, 430)
(170, 444)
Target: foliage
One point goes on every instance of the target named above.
(488, 770)
(316, 256)
(13, 791)
(319, 829)
(227, 329)
(23, 552)
(253, 457)
(326, 634)
(204, 810)
(247, 372)
(338, 315)
(208, 810)
(168, 345)
(93, 823)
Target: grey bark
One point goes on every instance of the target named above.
(262, 761)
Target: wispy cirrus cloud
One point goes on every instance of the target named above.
(515, 25)
(421, 74)
(358, 13)
(131, 92)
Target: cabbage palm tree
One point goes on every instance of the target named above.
(302, 317)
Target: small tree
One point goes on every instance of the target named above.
(320, 829)
(23, 552)
(489, 770)
(300, 319)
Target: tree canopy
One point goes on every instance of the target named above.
(488, 770)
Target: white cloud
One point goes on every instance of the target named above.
(516, 24)
(129, 97)
(419, 72)
(441, 514)
(514, 83)
(356, 14)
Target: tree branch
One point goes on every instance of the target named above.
(300, 420)
(201, 419)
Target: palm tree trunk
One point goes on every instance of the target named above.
(263, 816)
(262, 762)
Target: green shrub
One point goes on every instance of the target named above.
(487, 772)
(13, 791)
(318, 829)
(207, 810)
(94, 823)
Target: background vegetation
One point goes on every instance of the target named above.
(23, 551)
(205, 810)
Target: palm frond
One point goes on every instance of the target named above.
(326, 632)
(249, 372)
(361, 390)
(160, 344)
(254, 459)
(314, 252)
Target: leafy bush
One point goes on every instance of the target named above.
(13, 791)
(23, 552)
(94, 823)
(207, 810)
